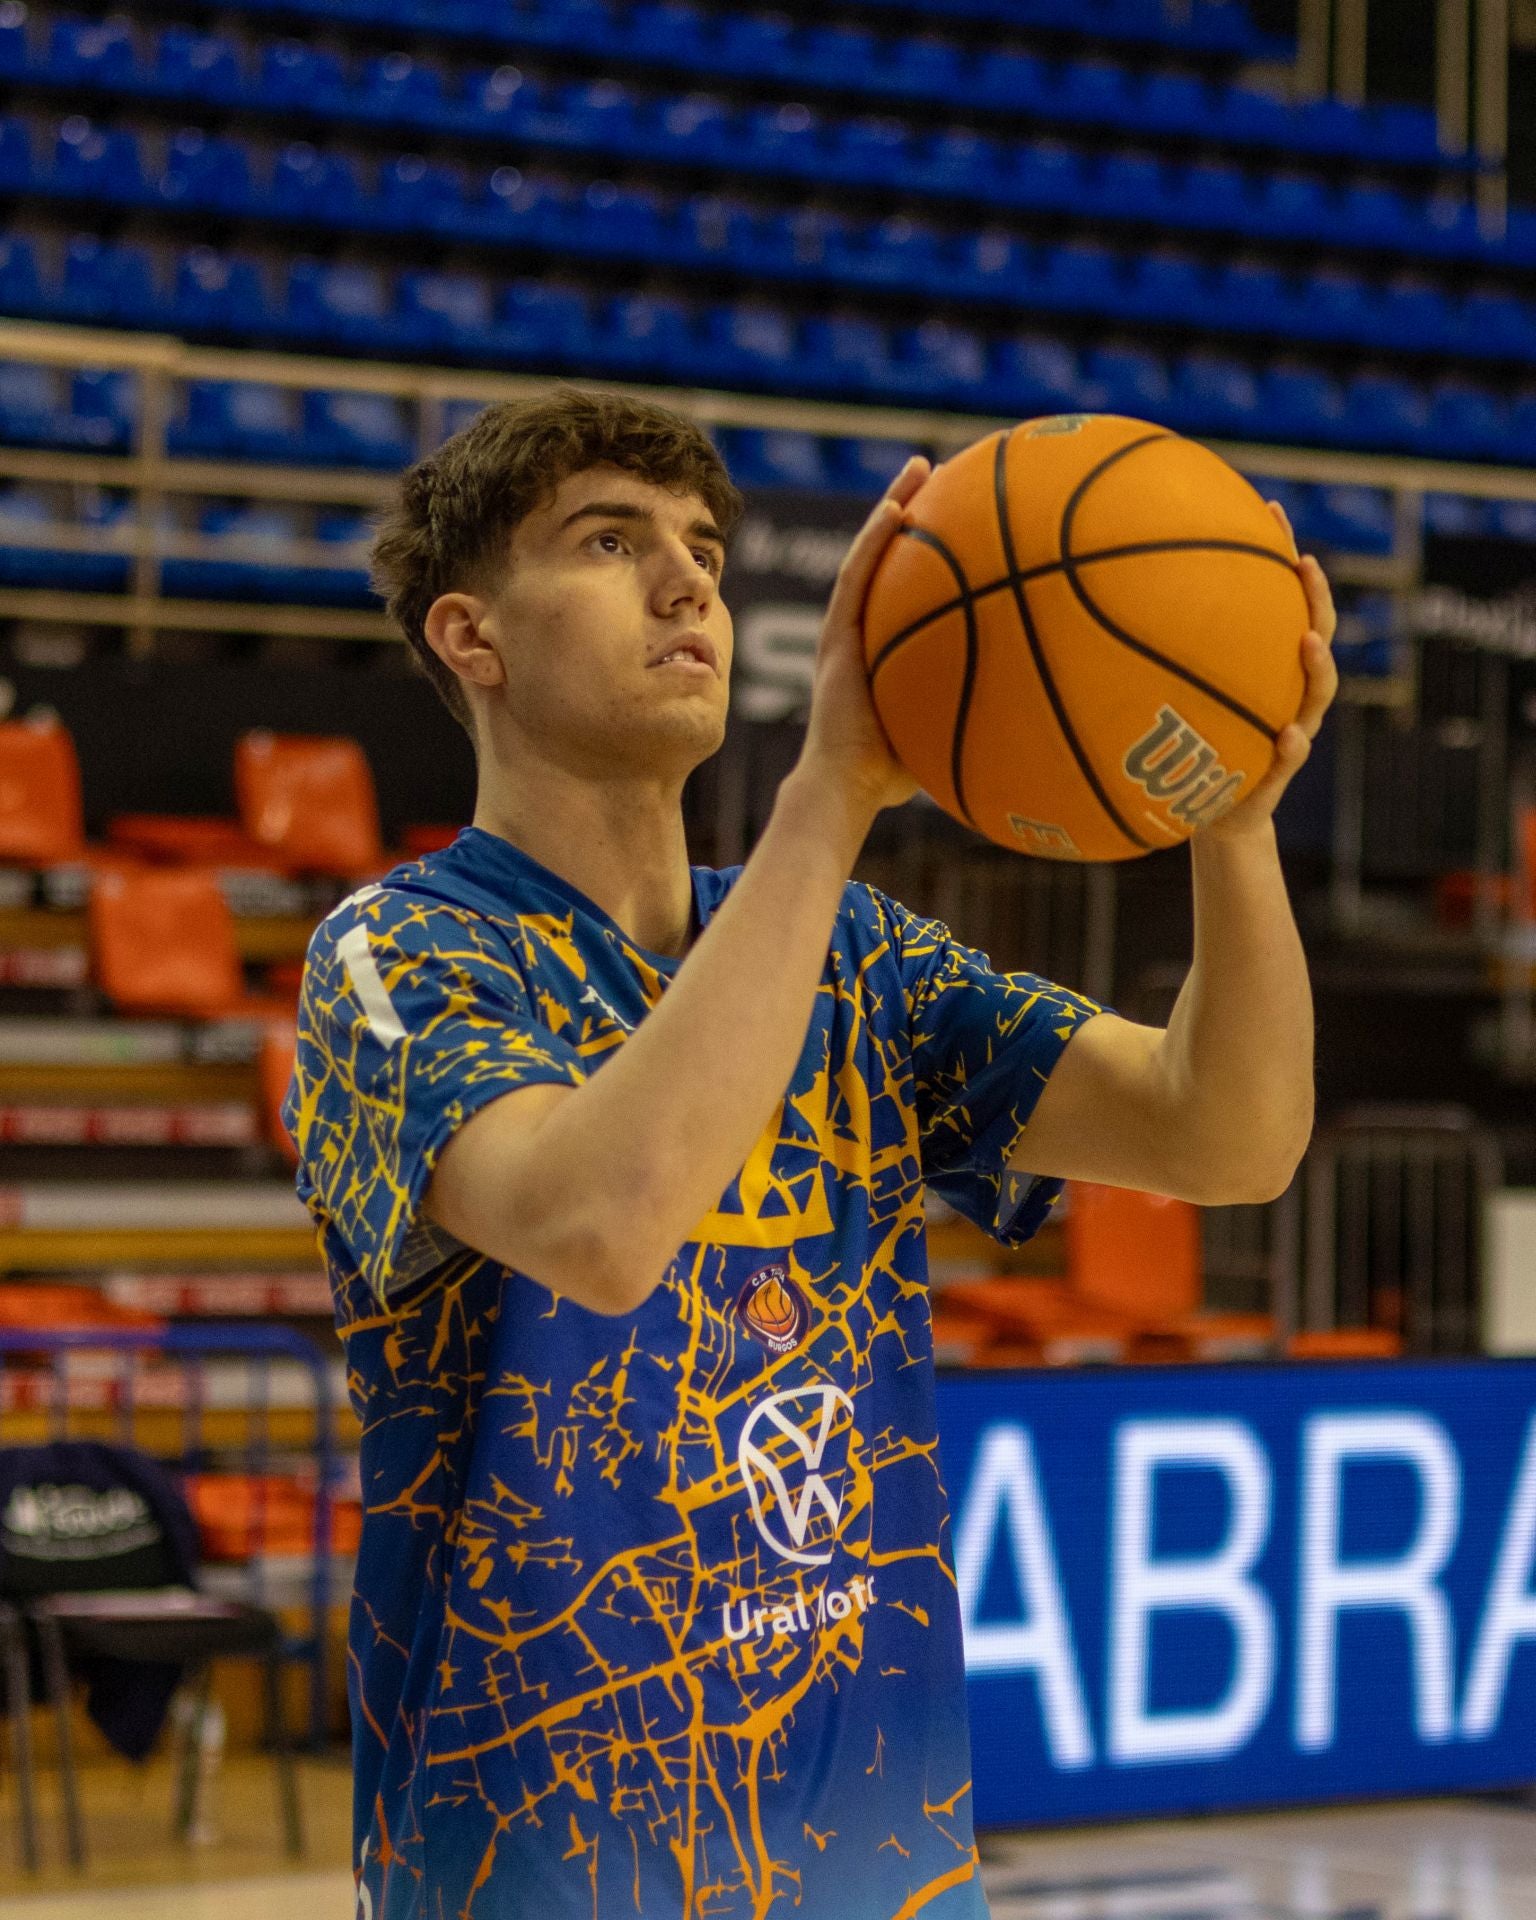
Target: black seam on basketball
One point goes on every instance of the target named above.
(1026, 620)
(972, 641)
(1072, 563)
(1024, 575)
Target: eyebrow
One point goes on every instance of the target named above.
(626, 510)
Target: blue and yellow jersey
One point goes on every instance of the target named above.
(655, 1616)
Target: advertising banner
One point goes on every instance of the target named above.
(1241, 1587)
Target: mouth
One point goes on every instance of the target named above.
(694, 651)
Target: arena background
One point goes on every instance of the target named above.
(1245, 1503)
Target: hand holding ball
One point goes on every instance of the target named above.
(1086, 639)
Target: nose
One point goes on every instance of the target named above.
(682, 582)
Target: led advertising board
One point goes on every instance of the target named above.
(1230, 1587)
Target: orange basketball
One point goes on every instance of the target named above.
(1087, 638)
(773, 1310)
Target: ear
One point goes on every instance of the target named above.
(459, 631)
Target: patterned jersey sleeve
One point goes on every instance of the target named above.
(983, 1046)
(413, 1017)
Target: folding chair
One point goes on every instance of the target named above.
(42, 818)
(310, 799)
(163, 941)
(129, 1604)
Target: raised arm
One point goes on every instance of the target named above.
(593, 1189)
(1216, 1108)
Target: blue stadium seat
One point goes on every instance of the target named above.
(1386, 410)
(1402, 134)
(15, 154)
(1249, 114)
(667, 30)
(1008, 78)
(1171, 286)
(1099, 91)
(235, 419)
(400, 86)
(205, 65)
(1366, 644)
(517, 206)
(1338, 304)
(761, 457)
(955, 160)
(1293, 204)
(105, 402)
(697, 126)
(755, 45)
(1133, 185)
(938, 360)
(865, 466)
(1457, 516)
(787, 137)
(503, 93)
(14, 39)
(1173, 102)
(714, 228)
(346, 429)
(1496, 321)
(1521, 443)
(598, 113)
(344, 304)
(924, 66)
(96, 163)
(91, 53)
(1354, 520)
(1514, 520)
(21, 290)
(293, 73)
(218, 293)
(866, 151)
(206, 170)
(1129, 380)
(31, 404)
(260, 536)
(645, 335)
(1303, 403)
(308, 183)
(1211, 193)
(990, 265)
(105, 282)
(620, 220)
(27, 515)
(537, 320)
(1466, 421)
(444, 312)
(1416, 315)
(748, 343)
(846, 353)
(898, 252)
(1375, 214)
(1215, 393)
(1046, 174)
(1256, 296)
(412, 191)
(1033, 374)
(852, 53)
(1082, 276)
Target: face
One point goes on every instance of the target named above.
(612, 641)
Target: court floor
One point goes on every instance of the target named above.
(1441, 1860)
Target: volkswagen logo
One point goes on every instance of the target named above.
(782, 1448)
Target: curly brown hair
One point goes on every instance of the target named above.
(449, 525)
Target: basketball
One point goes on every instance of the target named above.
(1087, 638)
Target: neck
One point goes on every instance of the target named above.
(620, 842)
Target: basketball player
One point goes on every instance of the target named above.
(619, 1167)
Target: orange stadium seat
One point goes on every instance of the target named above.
(189, 840)
(1135, 1253)
(163, 941)
(310, 799)
(1346, 1343)
(42, 816)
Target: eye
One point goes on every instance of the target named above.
(708, 559)
(609, 541)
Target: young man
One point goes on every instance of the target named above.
(619, 1168)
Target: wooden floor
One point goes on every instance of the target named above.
(1441, 1860)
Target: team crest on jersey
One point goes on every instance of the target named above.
(773, 1309)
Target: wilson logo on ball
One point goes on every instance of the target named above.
(1175, 767)
(773, 1309)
